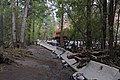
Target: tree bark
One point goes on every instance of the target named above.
(1, 26)
(110, 24)
(104, 22)
(117, 28)
(88, 25)
(14, 23)
(24, 22)
(61, 33)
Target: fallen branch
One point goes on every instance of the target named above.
(85, 56)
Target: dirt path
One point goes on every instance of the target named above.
(42, 65)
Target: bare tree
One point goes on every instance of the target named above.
(24, 22)
(14, 22)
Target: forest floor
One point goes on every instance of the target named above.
(41, 64)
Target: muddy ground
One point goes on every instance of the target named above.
(40, 65)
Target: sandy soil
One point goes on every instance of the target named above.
(41, 65)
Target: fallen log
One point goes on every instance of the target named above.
(85, 56)
(81, 55)
(97, 53)
(82, 61)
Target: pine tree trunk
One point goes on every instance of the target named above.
(104, 21)
(1, 26)
(24, 23)
(110, 24)
(117, 28)
(88, 25)
(14, 22)
(61, 33)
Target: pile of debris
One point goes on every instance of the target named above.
(8, 55)
(97, 62)
(85, 56)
